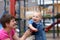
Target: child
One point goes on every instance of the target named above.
(35, 27)
(9, 24)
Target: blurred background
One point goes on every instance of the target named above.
(22, 10)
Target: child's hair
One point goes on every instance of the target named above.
(29, 16)
(6, 18)
(38, 12)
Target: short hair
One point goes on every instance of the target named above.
(38, 12)
(30, 14)
(6, 18)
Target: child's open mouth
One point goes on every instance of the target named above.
(34, 19)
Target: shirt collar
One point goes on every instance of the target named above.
(38, 22)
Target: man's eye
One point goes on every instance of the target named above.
(13, 20)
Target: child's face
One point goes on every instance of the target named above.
(36, 17)
(12, 24)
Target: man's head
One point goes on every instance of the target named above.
(36, 16)
(8, 20)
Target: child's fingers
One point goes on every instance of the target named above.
(34, 30)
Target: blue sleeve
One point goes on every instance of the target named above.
(30, 21)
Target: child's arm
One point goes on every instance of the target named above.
(33, 28)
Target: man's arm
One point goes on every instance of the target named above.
(7, 39)
(15, 37)
(26, 34)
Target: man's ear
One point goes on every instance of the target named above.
(6, 24)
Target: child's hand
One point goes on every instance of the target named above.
(34, 30)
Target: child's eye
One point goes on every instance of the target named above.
(33, 16)
(36, 16)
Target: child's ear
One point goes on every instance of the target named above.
(30, 17)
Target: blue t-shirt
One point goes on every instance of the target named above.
(38, 25)
(40, 34)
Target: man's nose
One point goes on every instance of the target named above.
(15, 22)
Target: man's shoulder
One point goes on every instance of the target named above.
(3, 34)
(0, 31)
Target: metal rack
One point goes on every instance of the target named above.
(42, 4)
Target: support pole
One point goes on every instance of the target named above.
(19, 22)
(4, 6)
(43, 14)
(53, 20)
(40, 5)
(57, 20)
(24, 15)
